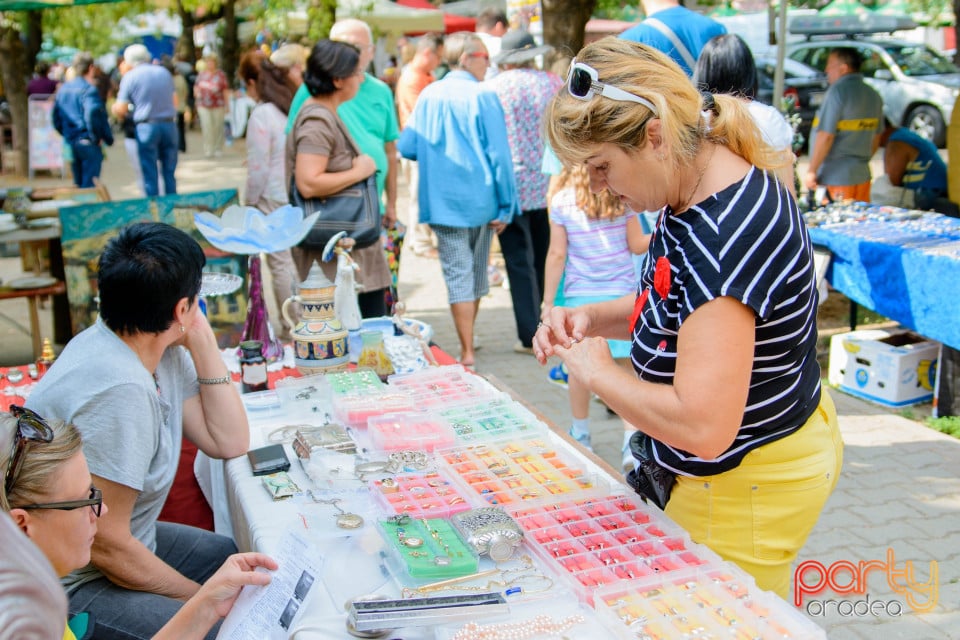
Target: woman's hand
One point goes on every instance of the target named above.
(221, 590)
(364, 166)
(560, 327)
(197, 332)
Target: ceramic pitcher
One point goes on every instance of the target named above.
(319, 339)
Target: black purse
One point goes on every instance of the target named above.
(355, 210)
(649, 479)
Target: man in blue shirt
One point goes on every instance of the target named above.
(147, 91)
(80, 116)
(458, 136)
(914, 174)
(674, 30)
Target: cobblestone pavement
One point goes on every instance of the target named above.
(899, 491)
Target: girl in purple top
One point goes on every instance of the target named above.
(592, 239)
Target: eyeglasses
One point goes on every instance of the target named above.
(30, 428)
(95, 502)
(479, 54)
(583, 83)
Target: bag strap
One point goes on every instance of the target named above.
(346, 134)
(674, 40)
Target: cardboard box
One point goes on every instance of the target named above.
(894, 368)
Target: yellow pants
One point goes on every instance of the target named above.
(760, 514)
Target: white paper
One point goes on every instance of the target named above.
(269, 612)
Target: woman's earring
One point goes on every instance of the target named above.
(183, 329)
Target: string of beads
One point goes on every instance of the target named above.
(541, 626)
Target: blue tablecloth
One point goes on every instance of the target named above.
(906, 270)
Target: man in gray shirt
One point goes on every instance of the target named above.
(148, 90)
(847, 130)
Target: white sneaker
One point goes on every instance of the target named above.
(582, 439)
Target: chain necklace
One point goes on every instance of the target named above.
(703, 170)
(345, 519)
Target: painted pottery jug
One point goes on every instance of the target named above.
(319, 339)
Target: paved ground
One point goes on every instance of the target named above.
(899, 490)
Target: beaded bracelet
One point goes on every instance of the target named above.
(220, 380)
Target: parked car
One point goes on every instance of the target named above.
(802, 84)
(917, 84)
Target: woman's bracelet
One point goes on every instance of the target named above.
(221, 380)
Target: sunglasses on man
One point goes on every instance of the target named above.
(583, 83)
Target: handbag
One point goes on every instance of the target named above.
(649, 479)
(355, 209)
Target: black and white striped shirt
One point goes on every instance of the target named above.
(747, 242)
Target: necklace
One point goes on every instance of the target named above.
(703, 170)
(345, 519)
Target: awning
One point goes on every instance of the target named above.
(29, 5)
(451, 21)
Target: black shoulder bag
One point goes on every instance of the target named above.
(355, 209)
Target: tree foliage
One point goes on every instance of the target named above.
(91, 27)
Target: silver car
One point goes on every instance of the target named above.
(917, 84)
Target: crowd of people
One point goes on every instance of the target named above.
(705, 346)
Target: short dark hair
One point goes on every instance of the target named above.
(82, 63)
(142, 275)
(849, 56)
(329, 60)
(488, 18)
(430, 42)
(726, 65)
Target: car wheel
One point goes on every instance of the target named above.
(928, 123)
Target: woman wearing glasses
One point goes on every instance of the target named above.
(49, 495)
(735, 435)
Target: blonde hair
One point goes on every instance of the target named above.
(596, 206)
(41, 461)
(575, 128)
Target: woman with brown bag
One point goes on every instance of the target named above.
(322, 159)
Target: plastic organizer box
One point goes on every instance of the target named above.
(356, 382)
(428, 548)
(494, 418)
(518, 471)
(418, 496)
(720, 601)
(443, 386)
(604, 541)
(356, 410)
(418, 430)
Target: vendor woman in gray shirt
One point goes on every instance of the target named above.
(146, 373)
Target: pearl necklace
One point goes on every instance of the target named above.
(541, 626)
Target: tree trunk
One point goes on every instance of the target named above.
(12, 67)
(186, 49)
(34, 37)
(563, 27)
(230, 53)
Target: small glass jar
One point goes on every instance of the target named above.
(373, 355)
(253, 366)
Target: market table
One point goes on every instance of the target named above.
(902, 265)
(597, 590)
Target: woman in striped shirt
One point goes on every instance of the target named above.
(733, 427)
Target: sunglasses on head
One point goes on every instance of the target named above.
(583, 83)
(30, 428)
(95, 502)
